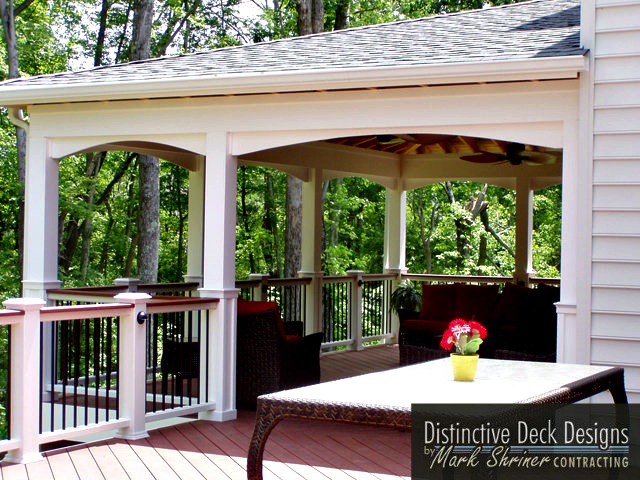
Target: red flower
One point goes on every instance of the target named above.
(475, 326)
(462, 328)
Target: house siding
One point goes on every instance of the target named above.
(615, 286)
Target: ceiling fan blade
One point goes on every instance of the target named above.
(485, 157)
(538, 158)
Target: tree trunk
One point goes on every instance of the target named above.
(310, 20)
(462, 231)
(102, 32)
(94, 164)
(293, 243)
(149, 167)
(317, 23)
(342, 14)
(142, 23)
(310, 16)
(8, 23)
(148, 218)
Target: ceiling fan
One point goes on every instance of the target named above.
(515, 154)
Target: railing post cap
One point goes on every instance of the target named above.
(24, 304)
(132, 297)
(259, 276)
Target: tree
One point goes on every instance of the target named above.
(149, 167)
(9, 12)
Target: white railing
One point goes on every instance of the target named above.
(48, 404)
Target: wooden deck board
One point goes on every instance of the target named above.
(296, 450)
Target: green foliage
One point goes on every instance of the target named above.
(547, 234)
(280, 21)
(435, 248)
(9, 203)
(353, 226)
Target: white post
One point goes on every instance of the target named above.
(312, 248)
(195, 246)
(395, 230)
(260, 292)
(25, 380)
(218, 281)
(356, 308)
(395, 235)
(574, 308)
(221, 364)
(524, 230)
(132, 376)
(41, 220)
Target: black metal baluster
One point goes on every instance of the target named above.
(108, 366)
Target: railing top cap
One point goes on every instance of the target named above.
(132, 297)
(24, 303)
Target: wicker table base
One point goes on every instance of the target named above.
(385, 398)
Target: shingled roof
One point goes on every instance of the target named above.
(532, 30)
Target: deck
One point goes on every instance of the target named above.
(200, 449)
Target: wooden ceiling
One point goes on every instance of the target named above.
(483, 150)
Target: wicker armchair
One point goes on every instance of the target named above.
(269, 357)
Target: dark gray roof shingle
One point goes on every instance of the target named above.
(536, 29)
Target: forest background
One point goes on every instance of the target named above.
(452, 227)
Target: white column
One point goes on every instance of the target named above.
(574, 309)
(219, 274)
(524, 230)
(132, 377)
(41, 220)
(312, 248)
(395, 240)
(395, 230)
(196, 225)
(25, 380)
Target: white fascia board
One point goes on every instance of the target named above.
(298, 81)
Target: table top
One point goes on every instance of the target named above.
(497, 381)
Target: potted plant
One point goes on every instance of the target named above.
(466, 337)
(405, 300)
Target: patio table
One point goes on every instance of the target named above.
(385, 398)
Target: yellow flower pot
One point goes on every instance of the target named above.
(464, 367)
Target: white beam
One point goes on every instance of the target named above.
(348, 160)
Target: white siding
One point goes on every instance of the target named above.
(615, 300)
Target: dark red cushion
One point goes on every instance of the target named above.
(438, 302)
(476, 302)
(246, 307)
(514, 305)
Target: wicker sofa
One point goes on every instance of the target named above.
(521, 321)
(272, 355)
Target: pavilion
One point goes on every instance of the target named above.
(399, 104)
